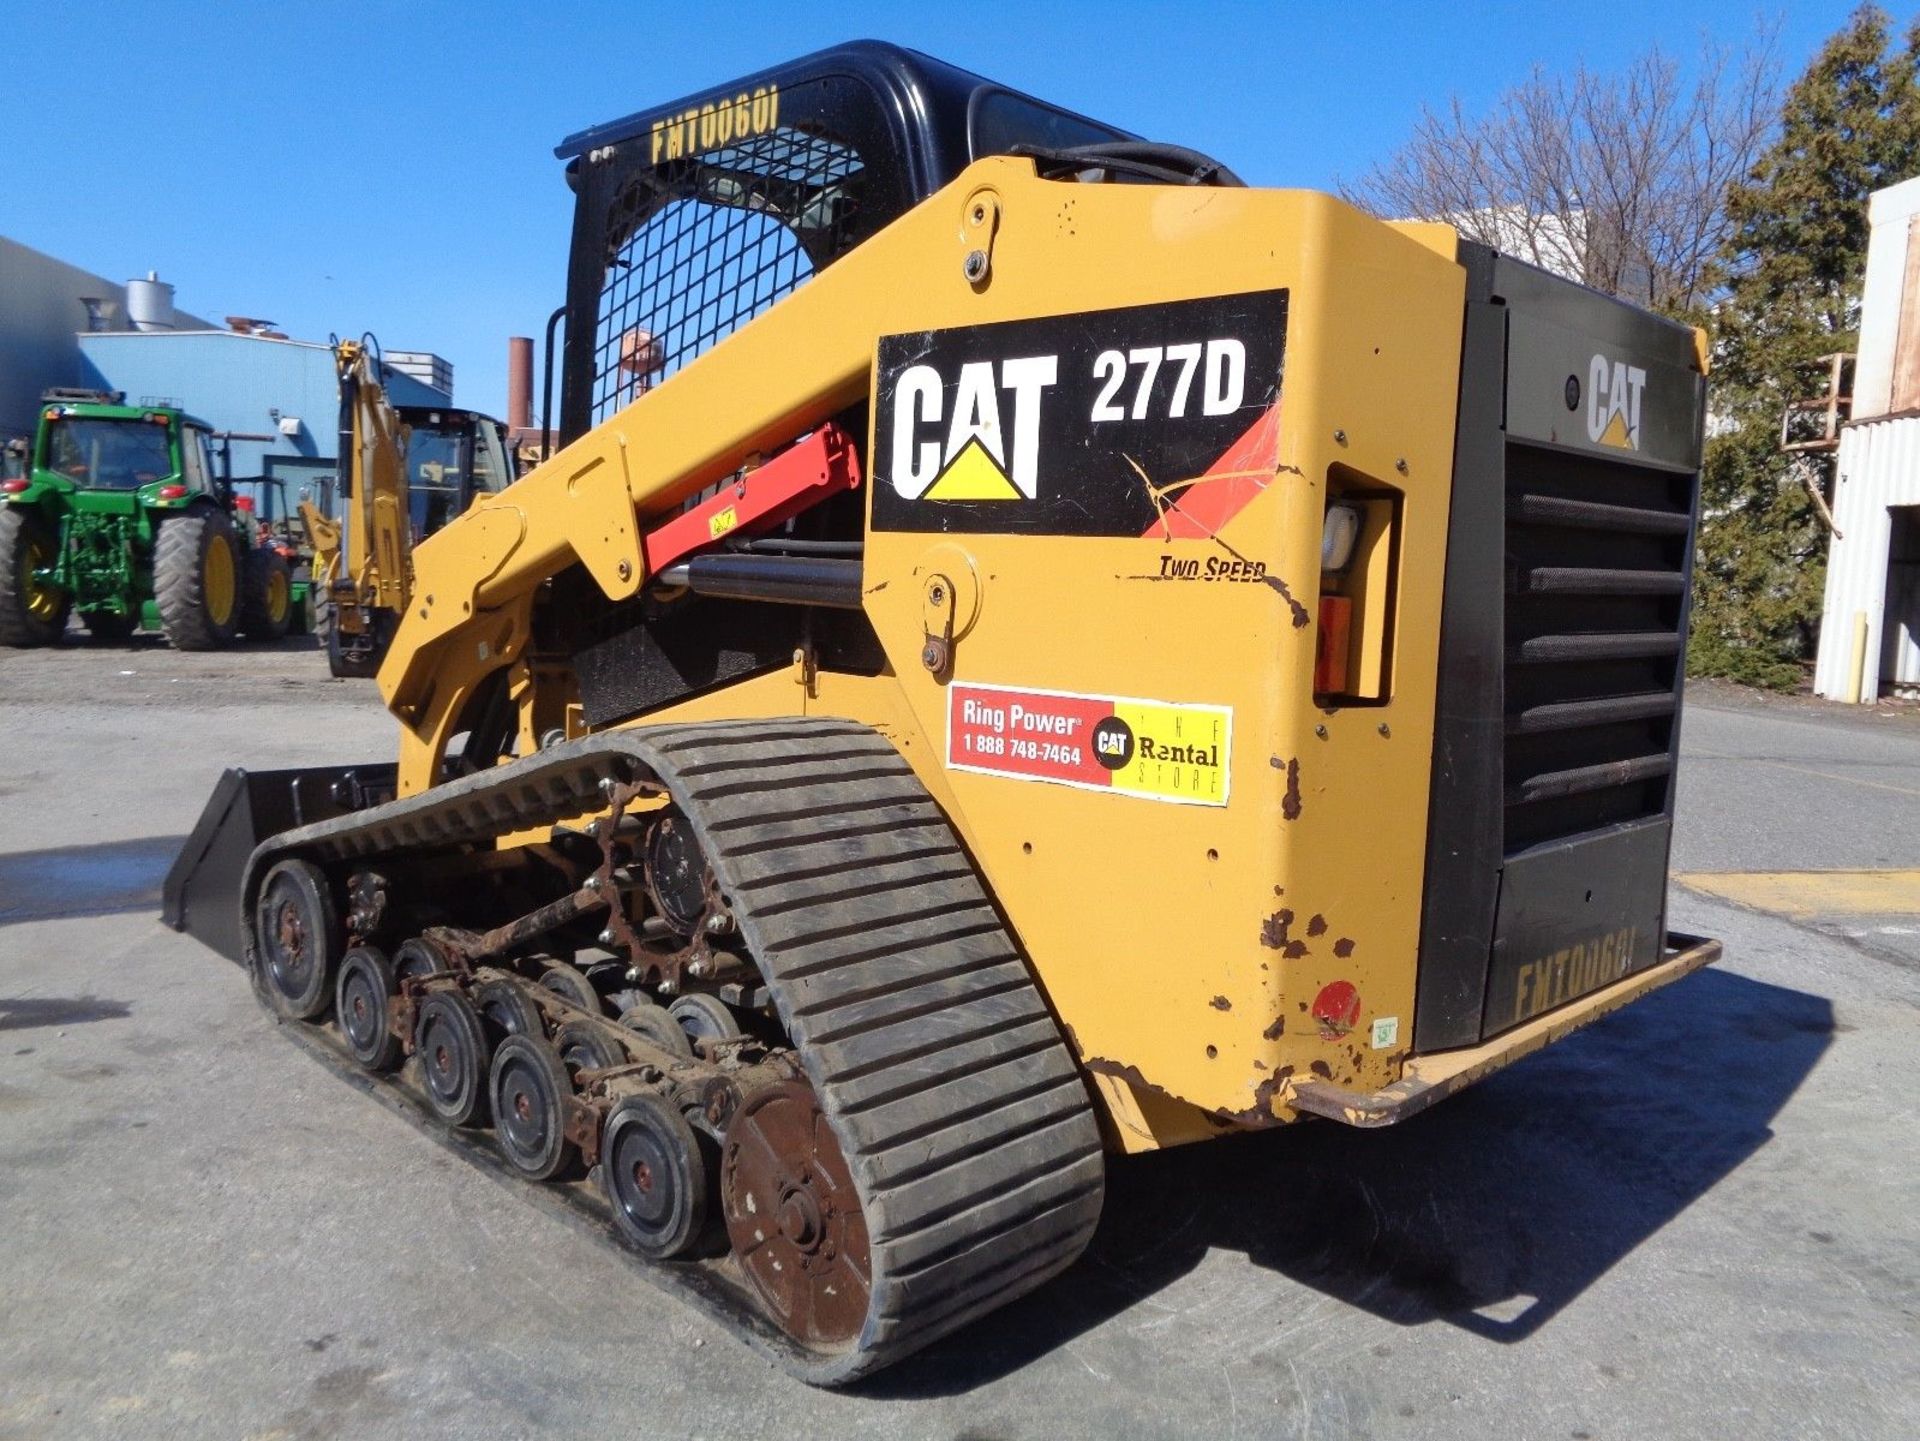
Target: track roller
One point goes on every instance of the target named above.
(654, 1169)
(566, 982)
(366, 985)
(529, 1088)
(298, 939)
(657, 1026)
(506, 1011)
(583, 1047)
(705, 1018)
(453, 1051)
(419, 958)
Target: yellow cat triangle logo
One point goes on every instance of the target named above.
(973, 474)
(1617, 433)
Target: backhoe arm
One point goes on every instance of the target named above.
(373, 446)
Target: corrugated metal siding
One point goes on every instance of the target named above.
(1879, 467)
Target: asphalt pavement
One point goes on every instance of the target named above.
(1698, 1218)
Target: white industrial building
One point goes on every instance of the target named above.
(1870, 629)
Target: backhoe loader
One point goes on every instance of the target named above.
(405, 471)
(1030, 650)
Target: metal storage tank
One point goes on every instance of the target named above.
(150, 303)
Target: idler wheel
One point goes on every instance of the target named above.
(298, 939)
(452, 1046)
(794, 1217)
(657, 1025)
(654, 1170)
(506, 1011)
(529, 1089)
(583, 1048)
(705, 1018)
(360, 1005)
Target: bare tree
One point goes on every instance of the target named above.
(1617, 180)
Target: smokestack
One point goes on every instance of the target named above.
(519, 382)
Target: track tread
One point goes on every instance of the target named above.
(963, 1118)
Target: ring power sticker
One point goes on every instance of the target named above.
(1156, 750)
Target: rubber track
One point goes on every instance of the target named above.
(961, 1113)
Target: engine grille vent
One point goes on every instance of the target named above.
(1596, 597)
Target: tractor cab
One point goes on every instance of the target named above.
(100, 455)
(692, 218)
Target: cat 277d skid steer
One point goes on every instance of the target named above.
(1030, 649)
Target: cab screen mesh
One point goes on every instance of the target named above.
(699, 246)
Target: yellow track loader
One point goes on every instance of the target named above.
(1030, 650)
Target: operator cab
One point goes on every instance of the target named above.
(693, 217)
(452, 457)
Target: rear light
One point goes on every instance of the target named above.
(243, 502)
(1330, 650)
(170, 492)
(154, 417)
(1337, 536)
(14, 487)
(1352, 661)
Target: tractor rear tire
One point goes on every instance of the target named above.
(30, 614)
(196, 580)
(267, 612)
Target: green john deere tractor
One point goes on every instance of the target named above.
(117, 513)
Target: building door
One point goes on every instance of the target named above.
(1900, 628)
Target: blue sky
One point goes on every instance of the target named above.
(389, 167)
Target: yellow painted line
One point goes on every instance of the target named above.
(1799, 894)
(1807, 771)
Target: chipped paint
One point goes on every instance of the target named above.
(1221, 1003)
(1317, 925)
(1275, 1088)
(1275, 1031)
(1343, 947)
(1130, 1074)
(1290, 802)
(1301, 617)
(1273, 930)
